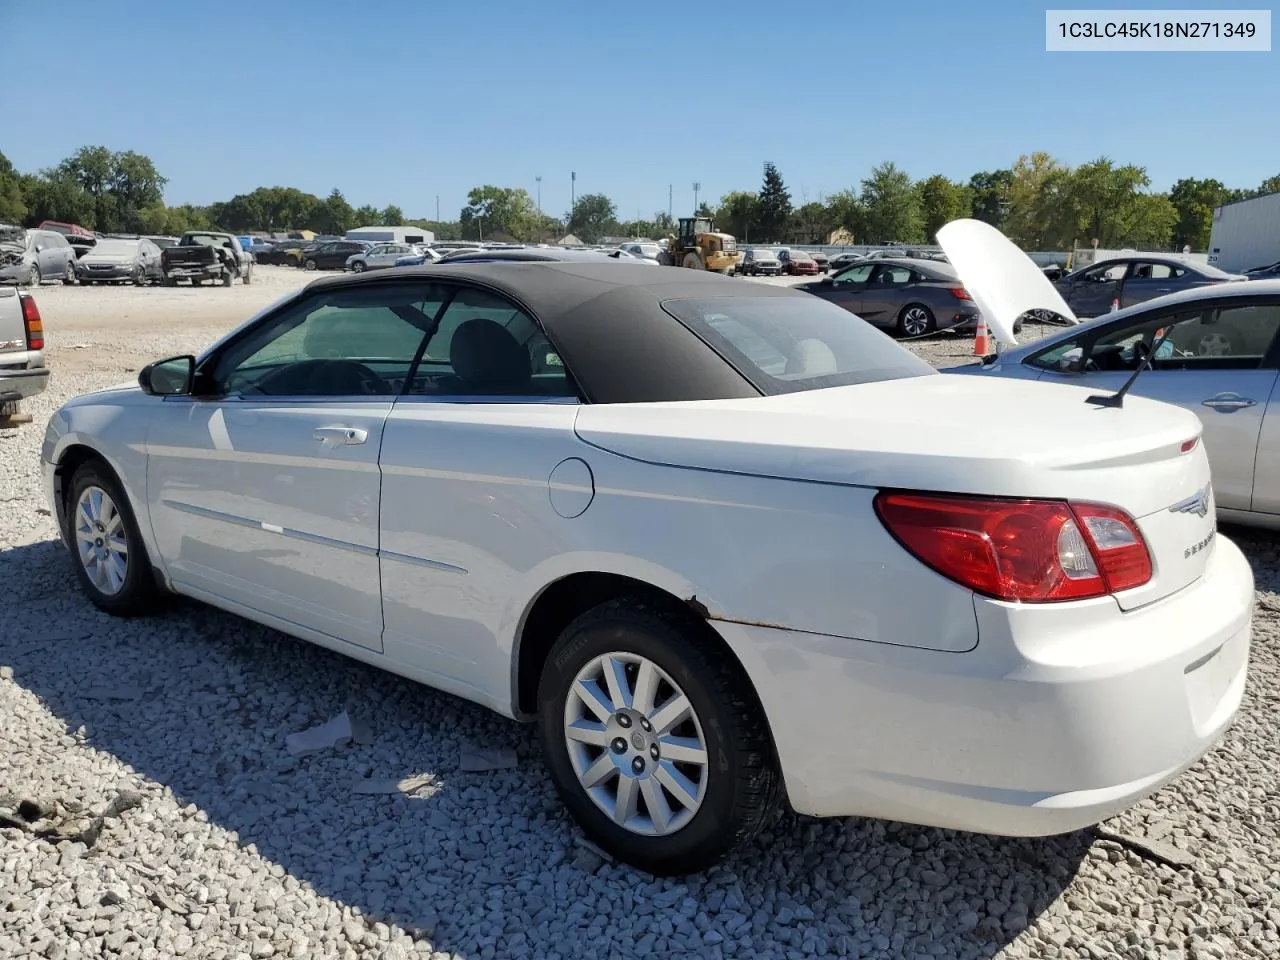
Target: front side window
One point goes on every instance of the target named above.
(786, 345)
(1104, 274)
(346, 342)
(485, 346)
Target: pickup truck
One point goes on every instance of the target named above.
(22, 370)
(206, 255)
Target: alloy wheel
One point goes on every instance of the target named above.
(636, 744)
(101, 541)
(915, 321)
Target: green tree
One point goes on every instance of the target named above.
(812, 223)
(593, 216)
(739, 214)
(1038, 219)
(848, 213)
(391, 216)
(1098, 195)
(492, 211)
(891, 207)
(55, 195)
(12, 207)
(366, 216)
(989, 196)
(135, 183)
(775, 205)
(1194, 201)
(333, 216)
(941, 201)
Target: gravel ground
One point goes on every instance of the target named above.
(216, 842)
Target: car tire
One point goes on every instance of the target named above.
(140, 277)
(248, 275)
(196, 281)
(693, 261)
(8, 408)
(69, 274)
(33, 275)
(732, 790)
(916, 320)
(95, 504)
(228, 277)
(358, 267)
(310, 265)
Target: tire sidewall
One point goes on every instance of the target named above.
(661, 644)
(931, 324)
(138, 586)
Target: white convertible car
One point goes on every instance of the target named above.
(727, 545)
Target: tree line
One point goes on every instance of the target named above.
(1039, 202)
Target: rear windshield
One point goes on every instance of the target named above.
(786, 344)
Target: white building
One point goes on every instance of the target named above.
(391, 235)
(1246, 234)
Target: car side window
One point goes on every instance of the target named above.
(1105, 274)
(858, 274)
(485, 346)
(358, 341)
(894, 275)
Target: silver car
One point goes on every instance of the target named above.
(119, 260)
(1090, 291)
(381, 256)
(1220, 360)
(31, 256)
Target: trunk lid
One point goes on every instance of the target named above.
(949, 435)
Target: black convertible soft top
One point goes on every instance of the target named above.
(607, 323)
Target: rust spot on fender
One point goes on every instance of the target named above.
(698, 607)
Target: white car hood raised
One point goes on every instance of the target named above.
(931, 432)
(1004, 282)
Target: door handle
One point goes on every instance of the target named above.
(335, 436)
(1228, 402)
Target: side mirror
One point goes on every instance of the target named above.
(39, 247)
(828, 279)
(168, 378)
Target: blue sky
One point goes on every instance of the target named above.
(401, 102)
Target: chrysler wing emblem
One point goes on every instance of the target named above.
(1197, 503)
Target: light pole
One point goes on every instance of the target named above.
(573, 191)
(437, 208)
(539, 180)
(696, 187)
(669, 205)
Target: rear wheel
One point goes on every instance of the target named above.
(107, 551)
(654, 738)
(358, 267)
(8, 408)
(228, 277)
(248, 274)
(693, 261)
(310, 265)
(69, 274)
(915, 320)
(196, 281)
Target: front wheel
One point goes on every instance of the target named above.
(248, 275)
(310, 265)
(69, 274)
(228, 276)
(140, 277)
(33, 275)
(108, 554)
(654, 738)
(358, 267)
(915, 320)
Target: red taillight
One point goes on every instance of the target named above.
(1031, 551)
(1189, 445)
(31, 320)
(960, 293)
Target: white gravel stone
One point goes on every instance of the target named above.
(236, 849)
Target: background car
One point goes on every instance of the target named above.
(759, 260)
(1220, 361)
(797, 263)
(31, 256)
(285, 252)
(381, 255)
(422, 255)
(259, 246)
(841, 260)
(119, 260)
(647, 250)
(332, 255)
(822, 260)
(1090, 291)
(910, 297)
(23, 372)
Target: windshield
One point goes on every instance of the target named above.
(11, 234)
(789, 344)
(116, 248)
(204, 240)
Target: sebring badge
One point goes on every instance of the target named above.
(1197, 503)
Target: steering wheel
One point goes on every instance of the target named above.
(326, 378)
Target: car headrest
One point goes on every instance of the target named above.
(488, 359)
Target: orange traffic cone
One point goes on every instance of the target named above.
(981, 340)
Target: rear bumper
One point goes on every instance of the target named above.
(1061, 717)
(21, 384)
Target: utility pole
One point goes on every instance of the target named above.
(437, 208)
(539, 179)
(668, 201)
(696, 187)
(573, 190)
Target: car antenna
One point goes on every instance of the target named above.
(1117, 399)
